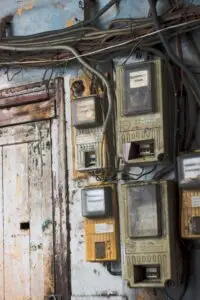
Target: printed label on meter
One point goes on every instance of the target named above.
(191, 167)
(138, 79)
(104, 228)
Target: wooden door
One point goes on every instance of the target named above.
(26, 212)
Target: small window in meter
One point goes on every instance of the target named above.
(138, 89)
(97, 202)
(86, 112)
(144, 211)
(189, 170)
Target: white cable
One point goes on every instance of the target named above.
(10, 48)
(85, 64)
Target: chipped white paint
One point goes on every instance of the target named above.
(26, 258)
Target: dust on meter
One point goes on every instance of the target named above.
(144, 106)
(148, 218)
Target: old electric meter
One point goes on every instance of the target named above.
(190, 214)
(89, 143)
(148, 218)
(145, 106)
(99, 207)
(97, 202)
(189, 170)
(86, 112)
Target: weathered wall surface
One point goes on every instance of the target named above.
(90, 281)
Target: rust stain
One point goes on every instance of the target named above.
(28, 112)
(25, 5)
(69, 23)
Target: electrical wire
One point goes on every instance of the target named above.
(113, 273)
(173, 57)
(142, 173)
(6, 47)
(89, 68)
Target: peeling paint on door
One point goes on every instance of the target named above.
(27, 257)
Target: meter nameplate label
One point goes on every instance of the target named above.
(93, 205)
(196, 201)
(138, 79)
(104, 228)
(191, 167)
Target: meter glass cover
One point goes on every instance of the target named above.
(84, 112)
(95, 200)
(138, 86)
(143, 212)
(189, 170)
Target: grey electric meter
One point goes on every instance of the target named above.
(138, 89)
(97, 202)
(189, 170)
(144, 211)
(86, 112)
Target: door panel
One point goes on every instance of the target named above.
(26, 231)
(16, 214)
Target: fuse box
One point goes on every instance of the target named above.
(144, 107)
(190, 214)
(99, 209)
(189, 170)
(89, 143)
(152, 255)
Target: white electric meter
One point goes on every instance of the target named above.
(97, 202)
(86, 112)
(189, 170)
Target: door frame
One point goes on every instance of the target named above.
(37, 93)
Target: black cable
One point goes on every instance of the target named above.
(191, 117)
(142, 173)
(170, 53)
(163, 172)
(12, 77)
(109, 269)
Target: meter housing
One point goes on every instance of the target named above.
(144, 107)
(148, 218)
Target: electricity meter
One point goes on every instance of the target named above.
(89, 142)
(189, 170)
(86, 112)
(144, 106)
(99, 207)
(148, 218)
(190, 214)
(97, 202)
